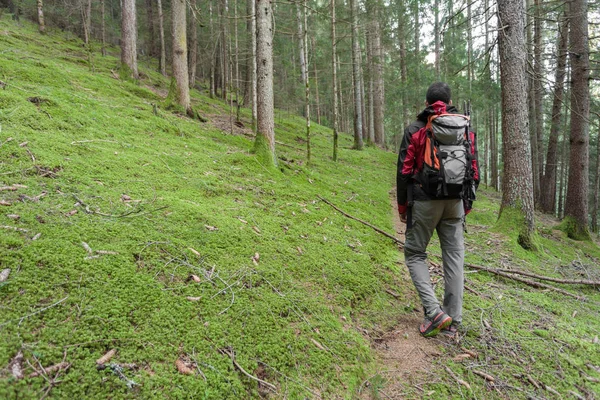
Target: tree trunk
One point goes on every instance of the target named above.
(548, 187)
(224, 49)
(128, 40)
(469, 48)
(436, 32)
(103, 27)
(265, 125)
(517, 181)
(370, 120)
(564, 163)
(162, 62)
(40, 14)
(193, 58)
(180, 68)
(494, 151)
(358, 141)
(538, 90)
(214, 42)
(253, 59)
(334, 82)
(402, 39)
(596, 183)
(317, 100)
(378, 95)
(151, 38)
(577, 192)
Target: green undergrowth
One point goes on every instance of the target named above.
(162, 201)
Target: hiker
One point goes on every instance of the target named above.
(436, 182)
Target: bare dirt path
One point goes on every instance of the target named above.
(405, 357)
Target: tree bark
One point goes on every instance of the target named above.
(378, 95)
(436, 30)
(596, 183)
(265, 125)
(40, 15)
(358, 141)
(402, 39)
(180, 68)
(103, 27)
(253, 59)
(193, 57)
(151, 38)
(162, 61)
(334, 82)
(538, 90)
(517, 181)
(128, 40)
(224, 49)
(548, 187)
(577, 192)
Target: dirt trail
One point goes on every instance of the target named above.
(405, 357)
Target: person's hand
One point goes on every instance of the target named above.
(403, 218)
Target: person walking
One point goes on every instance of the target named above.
(436, 180)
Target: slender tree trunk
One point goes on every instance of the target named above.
(129, 40)
(103, 27)
(40, 15)
(494, 151)
(265, 135)
(180, 68)
(517, 181)
(151, 38)
(403, 61)
(596, 183)
(577, 192)
(253, 59)
(369, 120)
(538, 90)
(306, 83)
(358, 141)
(193, 58)
(224, 48)
(548, 187)
(531, 98)
(162, 62)
(214, 42)
(334, 82)
(317, 100)
(378, 95)
(469, 47)
(363, 108)
(564, 170)
(436, 29)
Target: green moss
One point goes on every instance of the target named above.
(574, 230)
(263, 153)
(511, 217)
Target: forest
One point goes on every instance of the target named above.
(197, 198)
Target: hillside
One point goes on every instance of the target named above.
(128, 226)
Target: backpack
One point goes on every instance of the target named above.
(446, 170)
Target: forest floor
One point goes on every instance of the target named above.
(144, 254)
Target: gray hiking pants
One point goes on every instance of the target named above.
(446, 217)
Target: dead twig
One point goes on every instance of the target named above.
(457, 379)
(33, 313)
(540, 277)
(242, 370)
(53, 368)
(485, 376)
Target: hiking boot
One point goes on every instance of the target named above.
(451, 331)
(432, 326)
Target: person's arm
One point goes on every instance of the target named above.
(405, 169)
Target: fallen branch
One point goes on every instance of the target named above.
(541, 277)
(531, 283)
(457, 379)
(53, 368)
(137, 211)
(238, 366)
(485, 376)
(500, 272)
(384, 233)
